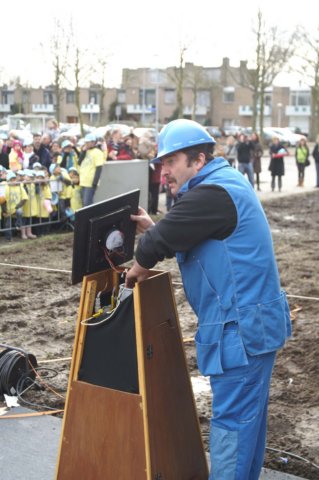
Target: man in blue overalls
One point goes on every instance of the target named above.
(221, 238)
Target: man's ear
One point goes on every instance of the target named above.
(200, 161)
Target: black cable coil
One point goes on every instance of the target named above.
(15, 366)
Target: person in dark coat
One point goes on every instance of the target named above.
(244, 157)
(4, 157)
(41, 151)
(277, 167)
(256, 156)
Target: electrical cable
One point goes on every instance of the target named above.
(108, 259)
(292, 455)
(20, 386)
(19, 373)
(30, 267)
(14, 363)
(178, 284)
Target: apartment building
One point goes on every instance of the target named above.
(211, 95)
(95, 103)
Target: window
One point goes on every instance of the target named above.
(300, 99)
(48, 98)
(70, 96)
(267, 100)
(170, 96)
(121, 96)
(25, 97)
(203, 98)
(94, 97)
(7, 98)
(147, 96)
(229, 95)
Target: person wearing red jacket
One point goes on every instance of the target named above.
(125, 150)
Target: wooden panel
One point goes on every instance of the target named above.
(103, 436)
(91, 285)
(175, 445)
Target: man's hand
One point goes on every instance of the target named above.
(143, 220)
(136, 274)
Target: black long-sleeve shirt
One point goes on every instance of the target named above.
(204, 212)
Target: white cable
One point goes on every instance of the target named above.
(123, 294)
(178, 284)
(292, 455)
(35, 268)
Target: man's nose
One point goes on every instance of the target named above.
(165, 170)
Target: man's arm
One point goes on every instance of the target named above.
(205, 212)
(136, 274)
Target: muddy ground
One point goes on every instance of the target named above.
(38, 311)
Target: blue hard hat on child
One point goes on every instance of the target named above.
(28, 172)
(180, 134)
(66, 143)
(37, 165)
(90, 137)
(11, 175)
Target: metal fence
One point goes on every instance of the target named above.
(43, 209)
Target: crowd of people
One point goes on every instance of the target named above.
(245, 153)
(46, 178)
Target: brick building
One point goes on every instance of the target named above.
(211, 95)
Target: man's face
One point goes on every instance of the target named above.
(55, 147)
(177, 170)
(36, 141)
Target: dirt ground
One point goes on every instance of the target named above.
(38, 311)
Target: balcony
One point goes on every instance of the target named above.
(200, 110)
(5, 108)
(43, 108)
(90, 108)
(247, 111)
(139, 109)
(298, 111)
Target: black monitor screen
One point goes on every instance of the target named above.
(104, 235)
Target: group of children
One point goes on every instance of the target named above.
(37, 197)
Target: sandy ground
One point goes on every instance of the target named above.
(38, 311)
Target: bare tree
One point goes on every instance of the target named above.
(79, 71)
(102, 62)
(59, 49)
(100, 74)
(178, 78)
(308, 56)
(273, 51)
(197, 80)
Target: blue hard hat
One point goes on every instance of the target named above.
(28, 172)
(66, 143)
(90, 137)
(10, 175)
(180, 134)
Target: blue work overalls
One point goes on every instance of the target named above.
(243, 319)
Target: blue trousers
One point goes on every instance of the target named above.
(249, 169)
(87, 195)
(239, 421)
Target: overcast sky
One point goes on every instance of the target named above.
(140, 33)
